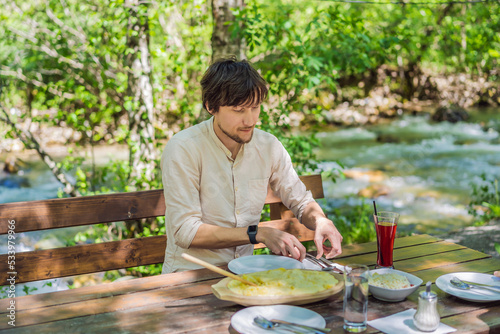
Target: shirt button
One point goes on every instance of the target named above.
(237, 255)
(237, 212)
(236, 189)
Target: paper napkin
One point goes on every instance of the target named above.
(402, 322)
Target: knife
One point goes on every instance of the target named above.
(482, 284)
(317, 330)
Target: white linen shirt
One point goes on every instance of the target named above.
(204, 185)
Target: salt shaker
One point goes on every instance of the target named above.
(427, 318)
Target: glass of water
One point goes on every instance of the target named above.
(355, 298)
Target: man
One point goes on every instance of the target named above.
(216, 176)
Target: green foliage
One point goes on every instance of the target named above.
(262, 251)
(334, 173)
(308, 49)
(4, 291)
(28, 290)
(485, 200)
(355, 224)
(302, 50)
(71, 66)
(150, 270)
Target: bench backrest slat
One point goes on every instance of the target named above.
(78, 211)
(86, 259)
(89, 210)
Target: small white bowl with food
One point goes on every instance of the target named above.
(392, 285)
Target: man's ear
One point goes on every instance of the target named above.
(208, 109)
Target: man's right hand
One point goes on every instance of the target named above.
(281, 243)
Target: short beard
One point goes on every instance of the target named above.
(236, 138)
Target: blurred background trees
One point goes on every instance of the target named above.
(127, 72)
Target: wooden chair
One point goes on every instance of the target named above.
(89, 210)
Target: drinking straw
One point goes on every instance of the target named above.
(376, 222)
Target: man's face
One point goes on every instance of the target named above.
(236, 123)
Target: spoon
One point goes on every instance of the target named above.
(458, 283)
(318, 330)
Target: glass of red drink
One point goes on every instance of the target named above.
(386, 224)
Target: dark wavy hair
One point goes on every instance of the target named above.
(229, 82)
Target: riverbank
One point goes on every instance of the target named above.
(480, 238)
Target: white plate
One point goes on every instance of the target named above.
(253, 263)
(242, 321)
(474, 295)
(308, 264)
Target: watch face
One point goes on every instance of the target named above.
(252, 228)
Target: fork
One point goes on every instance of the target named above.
(269, 325)
(316, 261)
(325, 266)
(288, 326)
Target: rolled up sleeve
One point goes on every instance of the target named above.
(181, 186)
(285, 182)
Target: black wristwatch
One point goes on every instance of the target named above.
(252, 234)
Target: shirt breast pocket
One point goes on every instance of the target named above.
(257, 194)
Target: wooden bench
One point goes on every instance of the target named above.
(89, 210)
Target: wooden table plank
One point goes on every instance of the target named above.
(420, 256)
(480, 321)
(440, 260)
(108, 289)
(178, 316)
(111, 304)
(371, 247)
(486, 265)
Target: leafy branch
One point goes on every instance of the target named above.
(32, 143)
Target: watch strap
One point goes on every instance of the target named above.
(252, 234)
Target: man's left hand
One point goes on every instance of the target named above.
(326, 230)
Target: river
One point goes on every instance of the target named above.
(426, 169)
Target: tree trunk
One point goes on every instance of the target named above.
(140, 95)
(32, 143)
(412, 74)
(223, 43)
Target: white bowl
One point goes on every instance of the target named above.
(394, 295)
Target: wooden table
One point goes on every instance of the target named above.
(183, 302)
